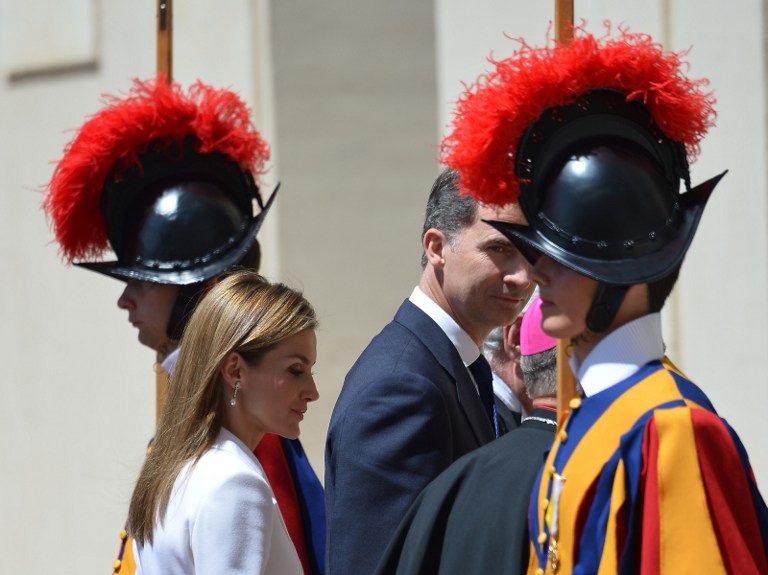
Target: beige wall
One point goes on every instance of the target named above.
(356, 122)
(78, 389)
(353, 95)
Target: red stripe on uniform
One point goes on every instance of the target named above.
(650, 556)
(728, 496)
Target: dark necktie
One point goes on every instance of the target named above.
(481, 372)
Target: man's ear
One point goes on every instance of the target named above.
(232, 368)
(434, 243)
(512, 338)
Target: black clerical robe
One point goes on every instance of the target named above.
(473, 517)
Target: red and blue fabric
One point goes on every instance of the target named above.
(654, 481)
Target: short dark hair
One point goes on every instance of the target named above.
(659, 290)
(540, 373)
(448, 210)
(252, 258)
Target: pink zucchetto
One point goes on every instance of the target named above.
(533, 340)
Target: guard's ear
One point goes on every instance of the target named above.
(232, 368)
(434, 243)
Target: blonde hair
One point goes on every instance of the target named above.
(243, 313)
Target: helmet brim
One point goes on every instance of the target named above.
(176, 276)
(629, 270)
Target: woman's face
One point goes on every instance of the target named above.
(566, 297)
(274, 394)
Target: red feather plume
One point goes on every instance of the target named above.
(492, 115)
(117, 135)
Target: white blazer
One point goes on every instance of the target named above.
(222, 518)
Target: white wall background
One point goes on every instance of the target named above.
(78, 389)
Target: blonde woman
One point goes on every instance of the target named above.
(202, 503)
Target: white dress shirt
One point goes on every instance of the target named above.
(460, 339)
(507, 396)
(169, 363)
(465, 345)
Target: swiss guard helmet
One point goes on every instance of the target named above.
(167, 180)
(593, 138)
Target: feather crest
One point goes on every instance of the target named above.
(114, 138)
(493, 113)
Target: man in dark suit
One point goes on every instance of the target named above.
(409, 406)
(473, 518)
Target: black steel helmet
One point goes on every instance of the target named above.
(165, 178)
(179, 216)
(600, 188)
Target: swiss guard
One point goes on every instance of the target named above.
(594, 139)
(167, 179)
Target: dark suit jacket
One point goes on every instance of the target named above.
(474, 517)
(407, 410)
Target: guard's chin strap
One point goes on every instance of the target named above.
(605, 305)
(186, 301)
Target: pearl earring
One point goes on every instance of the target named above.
(233, 401)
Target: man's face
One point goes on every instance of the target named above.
(485, 278)
(149, 308)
